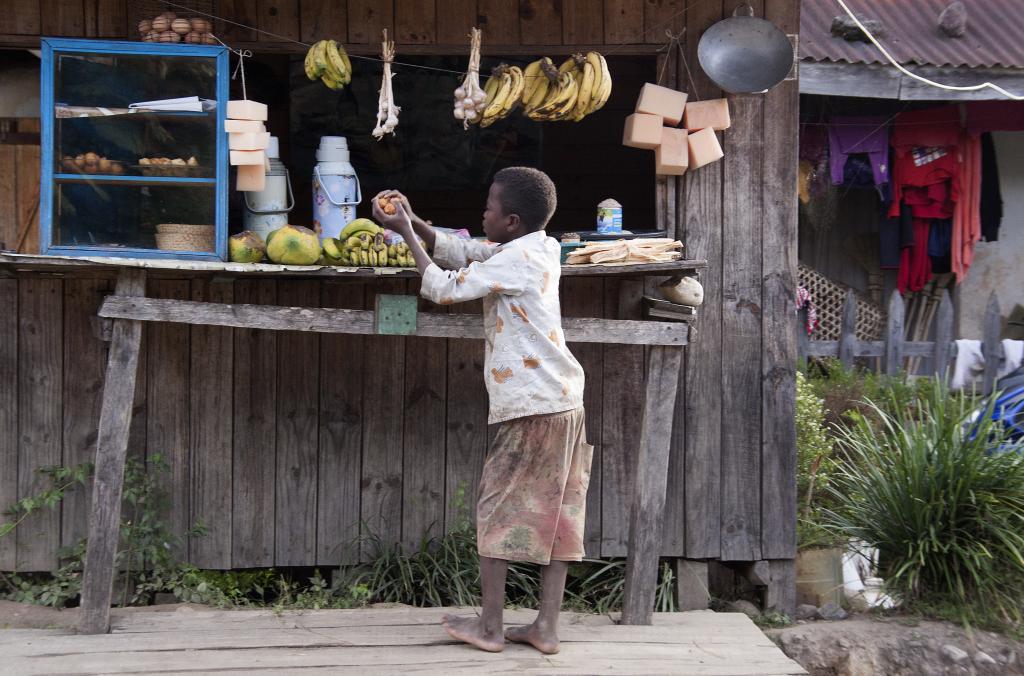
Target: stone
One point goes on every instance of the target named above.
(953, 20)
(1008, 657)
(844, 27)
(954, 654)
(806, 611)
(984, 660)
(745, 607)
(831, 612)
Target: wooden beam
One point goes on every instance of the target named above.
(334, 320)
(650, 479)
(781, 593)
(943, 336)
(991, 348)
(894, 335)
(111, 446)
(848, 331)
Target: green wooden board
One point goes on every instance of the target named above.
(395, 314)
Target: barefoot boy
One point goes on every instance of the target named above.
(533, 491)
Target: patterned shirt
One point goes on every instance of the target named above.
(527, 367)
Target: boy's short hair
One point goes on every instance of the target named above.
(529, 193)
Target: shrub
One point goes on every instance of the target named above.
(814, 464)
(940, 497)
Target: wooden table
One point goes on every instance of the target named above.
(128, 307)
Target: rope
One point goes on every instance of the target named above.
(242, 54)
(675, 39)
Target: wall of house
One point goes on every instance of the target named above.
(999, 266)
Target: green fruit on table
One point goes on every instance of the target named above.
(246, 247)
(293, 245)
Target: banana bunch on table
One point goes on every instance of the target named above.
(577, 88)
(327, 61)
(362, 244)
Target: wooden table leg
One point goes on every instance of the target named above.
(646, 518)
(111, 445)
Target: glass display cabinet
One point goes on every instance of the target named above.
(134, 157)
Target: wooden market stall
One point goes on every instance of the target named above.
(282, 441)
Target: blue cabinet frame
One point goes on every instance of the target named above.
(53, 47)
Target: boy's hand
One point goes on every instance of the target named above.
(394, 195)
(399, 221)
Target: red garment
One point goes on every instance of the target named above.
(925, 128)
(931, 190)
(915, 264)
(967, 215)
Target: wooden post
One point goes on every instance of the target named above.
(990, 346)
(650, 480)
(111, 445)
(894, 335)
(692, 584)
(943, 336)
(848, 330)
(781, 593)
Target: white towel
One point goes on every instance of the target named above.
(1013, 354)
(970, 363)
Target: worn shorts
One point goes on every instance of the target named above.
(533, 493)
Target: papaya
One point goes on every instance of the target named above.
(246, 247)
(293, 245)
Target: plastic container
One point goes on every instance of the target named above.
(336, 190)
(609, 217)
(267, 210)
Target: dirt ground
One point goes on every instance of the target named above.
(865, 645)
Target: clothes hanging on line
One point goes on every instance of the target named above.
(863, 138)
(991, 206)
(926, 128)
(966, 217)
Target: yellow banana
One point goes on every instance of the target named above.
(320, 56)
(357, 226)
(364, 257)
(560, 100)
(545, 77)
(310, 65)
(495, 103)
(586, 91)
(346, 64)
(336, 65)
(605, 88)
(533, 78)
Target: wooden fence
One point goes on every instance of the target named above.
(893, 350)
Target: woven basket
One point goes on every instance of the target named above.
(185, 237)
(829, 297)
(185, 229)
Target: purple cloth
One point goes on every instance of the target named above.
(852, 135)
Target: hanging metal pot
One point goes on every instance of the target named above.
(745, 54)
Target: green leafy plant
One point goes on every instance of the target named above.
(941, 497)
(814, 449)
(62, 480)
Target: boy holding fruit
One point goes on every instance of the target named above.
(532, 498)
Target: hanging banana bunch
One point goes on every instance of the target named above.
(577, 88)
(328, 61)
(503, 89)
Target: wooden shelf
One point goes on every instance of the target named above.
(124, 179)
(98, 262)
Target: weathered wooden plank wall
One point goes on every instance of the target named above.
(281, 444)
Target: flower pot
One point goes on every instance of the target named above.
(819, 575)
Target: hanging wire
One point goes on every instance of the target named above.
(675, 40)
(932, 83)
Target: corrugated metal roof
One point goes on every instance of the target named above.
(993, 38)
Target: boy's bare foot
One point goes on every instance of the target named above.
(471, 630)
(544, 641)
